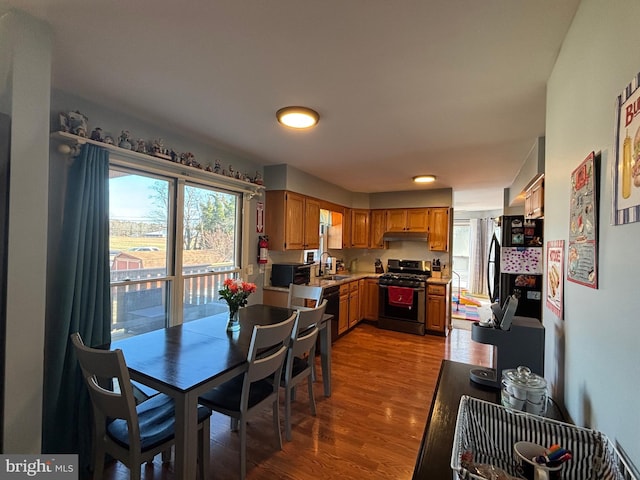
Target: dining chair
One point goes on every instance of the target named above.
(129, 433)
(258, 385)
(300, 360)
(304, 296)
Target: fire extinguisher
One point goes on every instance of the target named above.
(263, 249)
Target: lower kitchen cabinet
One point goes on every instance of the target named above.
(439, 308)
(369, 302)
(354, 303)
(343, 322)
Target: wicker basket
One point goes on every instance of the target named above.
(488, 431)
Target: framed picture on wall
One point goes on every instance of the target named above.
(626, 167)
(555, 277)
(582, 264)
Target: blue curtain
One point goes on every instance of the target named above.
(80, 301)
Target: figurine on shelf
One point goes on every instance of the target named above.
(96, 134)
(77, 123)
(124, 140)
(109, 140)
(174, 156)
(64, 122)
(208, 168)
(141, 146)
(158, 149)
(258, 178)
(217, 168)
(231, 173)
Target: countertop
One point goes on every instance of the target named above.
(348, 277)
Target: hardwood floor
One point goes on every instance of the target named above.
(370, 428)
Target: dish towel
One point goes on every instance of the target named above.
(401, 297)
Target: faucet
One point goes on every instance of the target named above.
(320, 261)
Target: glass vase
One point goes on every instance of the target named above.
(233, 325)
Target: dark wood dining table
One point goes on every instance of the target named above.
(186, 360)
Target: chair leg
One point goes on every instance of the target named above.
(233, 424)
(287, 414)
(276, 422)
(166, 456)
(312, 398)
(243, 448)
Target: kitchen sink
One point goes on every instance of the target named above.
(336, 277)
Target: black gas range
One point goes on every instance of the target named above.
(403, 296)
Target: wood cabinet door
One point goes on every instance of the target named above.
(378, 223)
(418, 220)
(343, 318)
(396, 220)
(436, 313)
(294, 221)
(311, 224)
(359, 228)
(346, 228)
(439, 229)
(354, 308)
(371, 299)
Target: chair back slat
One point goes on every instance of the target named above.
(268, 347)
(304, 296)
(99, 368)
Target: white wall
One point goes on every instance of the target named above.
(596, 347)
(29, 85)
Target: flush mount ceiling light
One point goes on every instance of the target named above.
(297, 117)
(424, 178)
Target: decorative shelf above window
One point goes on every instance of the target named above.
(150, 163)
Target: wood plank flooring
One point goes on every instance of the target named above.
(370, 428)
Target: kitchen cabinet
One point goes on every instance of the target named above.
(378, 222)
(354, 303)
(343, 317)
(369, 301)
(292, 221)
(439, 308)
(408, 220)
(359, 228)
(439, 223)
(534, 200)
(346, 228)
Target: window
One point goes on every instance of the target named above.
(461, 250)
(172, 244)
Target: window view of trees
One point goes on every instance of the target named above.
(144, 271)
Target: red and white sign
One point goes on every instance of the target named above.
(260, 217)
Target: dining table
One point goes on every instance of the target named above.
(186, 360)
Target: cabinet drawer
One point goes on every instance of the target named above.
(436, 289)
(344, 289)
(354, 286)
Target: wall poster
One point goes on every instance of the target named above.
(555, 277)
(626, 167)
(582, 264)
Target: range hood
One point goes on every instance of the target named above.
(405, 237)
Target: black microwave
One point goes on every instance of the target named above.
(283, 274)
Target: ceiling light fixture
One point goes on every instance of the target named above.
(297, 117)
(424, 178)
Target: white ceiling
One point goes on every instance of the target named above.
(455, 88)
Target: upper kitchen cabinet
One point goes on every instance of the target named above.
(408, 220)
(534, 199)
(378, 222)
(439, 222)
(359, 228)
(346, 228)
(292, 221)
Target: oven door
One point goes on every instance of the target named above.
(413, 312)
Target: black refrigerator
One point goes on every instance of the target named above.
(516, 263)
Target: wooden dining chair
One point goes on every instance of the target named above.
(304, 296)
(300, 360)
(258, 386)
(129, 433)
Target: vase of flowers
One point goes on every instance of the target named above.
(235, 293)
